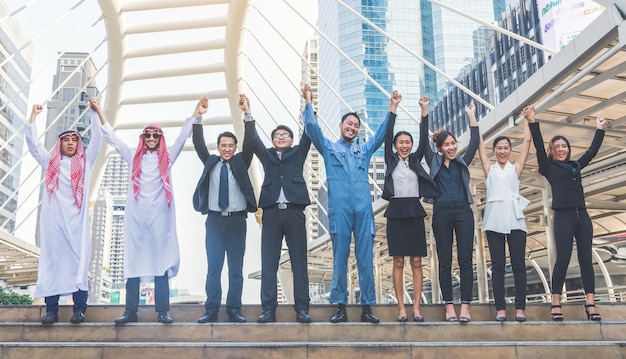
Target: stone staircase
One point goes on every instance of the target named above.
(22, 336)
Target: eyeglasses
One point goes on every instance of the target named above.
(282, 135)
(154, 135)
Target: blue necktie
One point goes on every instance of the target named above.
(222, 199)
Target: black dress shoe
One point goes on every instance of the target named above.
(127, 317)
(339, 316)
(49, 318)
(209, 317)
(302, 316)
(267, 316)
(234, 316)
(164, 317)
(77, 318)
(369, 318)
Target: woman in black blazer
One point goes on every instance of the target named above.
(570, 214)
(405, 182)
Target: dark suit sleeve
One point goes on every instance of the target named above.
(422, 145)
(542, 157)
(198, 142)
(248, 146)
(389, 138)
(303, 146)
(473, 145)
(593, 149)
(428, 151)
(251, 141)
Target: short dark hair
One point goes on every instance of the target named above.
(282, 127)
(226, 134)
(343, 118)
(501, 138)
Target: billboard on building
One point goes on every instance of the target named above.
(562, 20)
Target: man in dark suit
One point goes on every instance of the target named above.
(283, 198)
(225, 194)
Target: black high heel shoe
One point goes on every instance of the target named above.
(465, 318)
(556, 317)
(594, 317)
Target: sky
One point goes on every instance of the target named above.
(58, 28)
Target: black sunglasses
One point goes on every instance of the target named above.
(154, 135)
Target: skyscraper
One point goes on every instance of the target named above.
(15, 73)
(390, 66)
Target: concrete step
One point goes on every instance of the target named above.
(307, 350)
(189, 313)
(319, 332)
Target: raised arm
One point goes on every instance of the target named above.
(540, 150)
(472, 147)
(251, 141)
(36, 148)
(595, 144)
(311, 126)
(422, 144)
(374, 142)
(95, 119)
(527, 112)
(198, 142)
(110, 136)
(389, 139)
(201, 108)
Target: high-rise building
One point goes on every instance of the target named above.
(389, 65)
(73, 84)
(313, 165)
(14, 90)
(99, 271)
(115, 181)
(504, 66)
(451, 40)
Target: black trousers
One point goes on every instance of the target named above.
(290, 224)
(161, 294)
(570, 224)
(79, 297)
(517, 250)
(451, 219)
(225, 236)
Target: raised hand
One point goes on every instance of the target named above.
(202, 107)
(529, 113)
(36, 111)
(94, 104)
(307, 93)
(600, 122)
(396, 97)
(244, 103)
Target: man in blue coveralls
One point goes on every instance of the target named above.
(349, 202)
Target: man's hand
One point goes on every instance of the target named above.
(244, 103)
(37, 109)
(307, 93)
(201, 107)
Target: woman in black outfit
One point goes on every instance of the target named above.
(570, 214)
(405, 182)
(452, 213)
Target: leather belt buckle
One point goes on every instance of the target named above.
(225, 214)
(282, 206)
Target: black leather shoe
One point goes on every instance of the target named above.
(369, 318)
(234, 316)
(164, 317)
(339, 316)
(267, 316)
(49, 318)
(127, 317)
(77, 318)
(302, 316)
(209, 317)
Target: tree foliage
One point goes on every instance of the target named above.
(7, 296)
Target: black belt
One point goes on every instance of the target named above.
(227, 214)
(286, 205)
